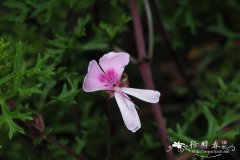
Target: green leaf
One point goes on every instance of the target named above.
(212, 123)
(80, 29)
(231, 134)
(6, 78)
(8, 118)
(43, 7)
(68, 95)
(229, 117)
(81, 143)
(29, 91)
(222, 30)
(222, 84)
(19, 50)
(21, 11)
(40, 68)
(179, 136)
(191, 23)
(5, 57)
(93, 45)
(110, 29)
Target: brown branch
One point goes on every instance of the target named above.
(145, 70)
(37, 130)
(54, 141)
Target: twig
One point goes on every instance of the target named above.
(150, 29)
(36, 130)
(163, 33)
(145, 70)
(54, 141)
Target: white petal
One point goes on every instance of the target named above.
(114, 61)
(143, 94)
(128, 111)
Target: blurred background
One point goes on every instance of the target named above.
(45, 49)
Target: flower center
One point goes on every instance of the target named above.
(110, 78)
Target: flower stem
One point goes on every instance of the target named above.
(147, 76)
(150, 29)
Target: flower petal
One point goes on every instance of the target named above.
(115, 61)
(143, 94)
(128, 111)
(92, 81)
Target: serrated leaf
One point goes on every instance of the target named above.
(8, 118)
(80, 29)
(40, 68)
(212, 122)
(110, 29)
(43, 7)
(67, 96)
(19, 50)
(29, 91)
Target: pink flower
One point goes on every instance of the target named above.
(107, 75)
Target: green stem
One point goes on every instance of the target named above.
(150, 29)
